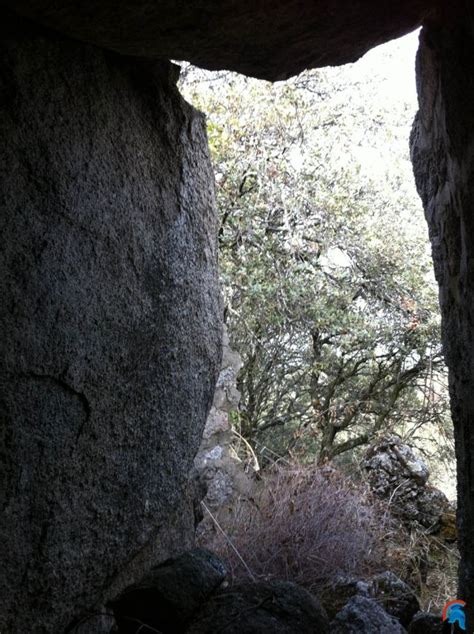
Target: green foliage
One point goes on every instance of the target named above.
(325, 267)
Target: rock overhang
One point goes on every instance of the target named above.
(268, 39)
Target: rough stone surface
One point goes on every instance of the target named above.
(213, 453)
(278, 607)
(221, 473)
(335, 596)
(168, 596)
(111, 304)
(394, 595)
(443, 157)
(365, 616)
(270, 39)
(393, 459)
(395, 473)
(423, 623)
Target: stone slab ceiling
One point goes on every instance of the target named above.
(269, 39)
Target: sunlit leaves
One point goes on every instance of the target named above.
(325, 267)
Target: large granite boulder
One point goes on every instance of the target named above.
(279, 607)
(169, 596)
(271, 40)
(110, 319)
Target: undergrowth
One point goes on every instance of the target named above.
(305, 524)
(315, 526)
(427, 563)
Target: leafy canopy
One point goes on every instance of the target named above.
(325, 266)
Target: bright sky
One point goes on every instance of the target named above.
(387, 74)
(394, 65)
(385, 77)
(394, 62)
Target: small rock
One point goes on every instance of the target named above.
(365, 616)
(395, 595)
(335, 596)
(424, 623)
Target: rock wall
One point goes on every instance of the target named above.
(443, 157)
(221, 474)
(111, 305)
(269, 39)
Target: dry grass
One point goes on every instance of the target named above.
(441, 583)
(427, 563)
(314, 526)
(307, 525)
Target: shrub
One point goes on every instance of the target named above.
(308, 525)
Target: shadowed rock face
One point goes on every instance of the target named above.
(269, 39)
(443, 158)
(169, 596)
(110, 323)
(278, 607)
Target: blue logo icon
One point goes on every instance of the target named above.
(453, 612)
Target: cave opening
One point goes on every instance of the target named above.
(329, 292)
(111, 311)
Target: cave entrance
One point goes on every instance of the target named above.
(330, 295)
